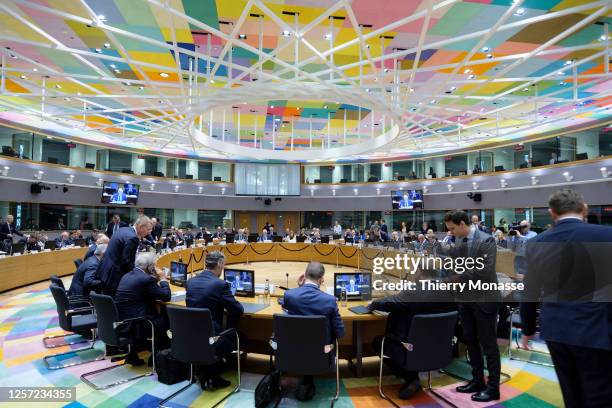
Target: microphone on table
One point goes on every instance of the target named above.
(287, 276)
(282, 287)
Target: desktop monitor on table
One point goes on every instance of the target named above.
(242, 281)
(358, 285)
(178, 273)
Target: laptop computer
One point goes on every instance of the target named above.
(300, 239)
(277, 238)
(252, 238)
(80, 242)
(50, 245)
(229, 238)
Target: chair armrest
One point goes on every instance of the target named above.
(214, 339)
(76, 310)
(131, 319)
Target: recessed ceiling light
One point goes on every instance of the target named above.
(242, 36)
(23, 77)
(212, 81)
(286, 33)
(561, 73)
(99, 50)
(485, 49)
(386, 69)
(112, 66)
(324, 106)
(568, 62)
(163, 74)
(35, 69)
(101, 17)
(467, 71)
(13, 56)
(489, 55)
(520, 11)
(472, 76)
(116, 71)
(328, 36)
(411, 89)
(107, 45)
(58, 86)
(271, 106)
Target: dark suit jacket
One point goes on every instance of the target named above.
(60, 244)
(156, 233)
(6, 228)
(118, 259)
(483, 246)
(90, 250)
(563, 263)
(137, 293)
(83, 277)
(408, 303)
(205, 290)
(111, 226)
(308, 300)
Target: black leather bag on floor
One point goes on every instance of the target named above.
(268, 390)
(169, 370)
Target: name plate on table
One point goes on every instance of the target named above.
(253, 307)
(33, 252)
(46, 250)
(17, 254)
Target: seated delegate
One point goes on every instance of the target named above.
(308, 300)
(207, 290)
(136, 296)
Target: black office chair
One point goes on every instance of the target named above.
(71, 320)
(300, 347)
(429, 347)
(192, 342)
(108, 323)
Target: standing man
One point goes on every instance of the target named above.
(121, 254)
(156, 233)
(477, 309)
(337, 228)
(565, 263)
(518, 244)
(8, 230)
(114, 225)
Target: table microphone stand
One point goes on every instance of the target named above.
(287, 276)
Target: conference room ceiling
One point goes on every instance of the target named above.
(304, 80)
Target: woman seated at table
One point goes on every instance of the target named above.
(290, 237)
(33, 243)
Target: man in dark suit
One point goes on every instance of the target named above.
(121, 253)
(83, 280)
(219, 233)
(8, 229)
(114, 225)
(308, 300)
(402, 308)
(156, 233)
(264, 236)
(137, 293)
(207, 290)
(564, 265)
(63, 240)
(477, 309)
(100, 239)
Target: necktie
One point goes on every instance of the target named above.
(115, 229)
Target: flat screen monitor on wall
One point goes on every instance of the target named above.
(120, 193)
(407, 200)
(260, 179)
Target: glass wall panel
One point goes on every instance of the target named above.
(205, 171)
(150, 166)
(325, 174)
(119, 161)
(55, 152)
(455, 165)
(23, 144)
(211, 218)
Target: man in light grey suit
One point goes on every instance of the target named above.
(478, 309)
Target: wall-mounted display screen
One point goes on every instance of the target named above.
(120, 193)
(267, 179)
(407, 199)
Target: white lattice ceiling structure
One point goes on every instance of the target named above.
(304, 80)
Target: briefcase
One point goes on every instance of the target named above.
(170, 370)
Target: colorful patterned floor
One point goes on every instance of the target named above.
(28, 314)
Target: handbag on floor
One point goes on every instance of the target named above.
(170, 370)
(268, 390)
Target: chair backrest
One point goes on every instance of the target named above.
(107, 315)
(191, 329)
(57, 281)
(300, 344)
(62, 304)
(430, 341)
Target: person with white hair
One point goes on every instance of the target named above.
(100, 239)
(121, 254)
(136, 296)
(83, 280)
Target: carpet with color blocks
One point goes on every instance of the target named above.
(26, 315)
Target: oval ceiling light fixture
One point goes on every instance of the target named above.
(163, 74)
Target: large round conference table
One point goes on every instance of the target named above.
(360, 329)
(23, 270)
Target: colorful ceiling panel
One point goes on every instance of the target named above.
(300, 75)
